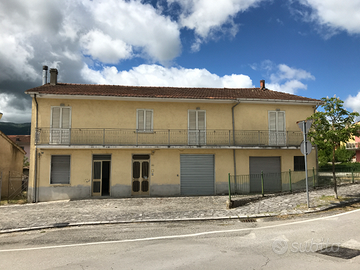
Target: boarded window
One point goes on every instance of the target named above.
(60, 169)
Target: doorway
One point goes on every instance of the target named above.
(140, 175)
(101, 175)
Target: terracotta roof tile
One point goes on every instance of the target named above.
(165, 92)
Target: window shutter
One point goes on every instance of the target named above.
(60, 169)
(192, 120)
(272, 121)
(201, 120)
(149, 117)
(55, 117)
(281, 121)
(140, 119)
(65, 123)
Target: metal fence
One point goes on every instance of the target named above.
(290, 181)
(13, 187)
(169, 137)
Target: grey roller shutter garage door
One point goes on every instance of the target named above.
(197, 175)
(271, 167)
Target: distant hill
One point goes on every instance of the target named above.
(9, 128)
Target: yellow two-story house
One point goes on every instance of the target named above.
(123, 141)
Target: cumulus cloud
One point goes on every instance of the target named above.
(353, 102)
(105, 49)
(284, 78)
(155, 75)
(335, 14)
(65, 34)
(207, 17)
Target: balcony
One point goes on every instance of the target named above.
(166, 138)
(353, 146)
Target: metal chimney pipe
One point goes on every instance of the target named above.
(44, 80)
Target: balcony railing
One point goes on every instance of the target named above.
(170, 137)
(354, 145)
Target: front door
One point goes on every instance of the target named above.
(140, 175)
(101, 175)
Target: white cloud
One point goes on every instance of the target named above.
(284, 78)
(287, 73)
(207, 17)
(335, 14)
(102, 47)
(290, 87)
(353, 102)
(155, 75)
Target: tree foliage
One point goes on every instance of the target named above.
(331, 127)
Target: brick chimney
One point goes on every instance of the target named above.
(262, 84)
(53, 76)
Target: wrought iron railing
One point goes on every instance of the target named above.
(169, 137)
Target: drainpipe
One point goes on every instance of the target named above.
(233, 126)
(35, 165)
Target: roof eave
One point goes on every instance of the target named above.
(162, 99)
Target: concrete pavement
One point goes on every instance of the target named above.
(14, 218)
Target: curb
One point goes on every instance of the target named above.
(239, 217)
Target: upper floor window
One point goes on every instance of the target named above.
(197, 127)
(277, 128)
(144, 121)
(60, 125)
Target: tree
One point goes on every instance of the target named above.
(331, 127)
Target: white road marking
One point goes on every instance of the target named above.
(177, 236)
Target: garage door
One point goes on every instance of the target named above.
(271, 167)
(197, 175)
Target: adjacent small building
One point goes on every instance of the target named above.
(24, 142)
(91, 141)
(11, 163)
(354, 144)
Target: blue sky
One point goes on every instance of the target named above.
(304, 47)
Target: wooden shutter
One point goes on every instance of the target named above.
(141, 119)
(55, 117)
(201, 120)
(149, 117)
(192, 120)
(65, 119)
(272, 121)
(281, 121)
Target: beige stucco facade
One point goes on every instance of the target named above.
(165, 167)
(12, 158)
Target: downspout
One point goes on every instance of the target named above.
(233, 127)
(35, 168)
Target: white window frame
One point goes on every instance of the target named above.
(277, 136)
(200, 134)
(51, 171)
(143, 128)
(60, 135)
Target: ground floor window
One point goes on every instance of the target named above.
(60, 169)
(299, 163)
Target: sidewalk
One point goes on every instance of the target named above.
(110, 211)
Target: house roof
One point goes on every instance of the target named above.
(11, 142)
(20, 139)
(97, 90)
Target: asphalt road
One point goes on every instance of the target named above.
(277, 243)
